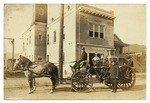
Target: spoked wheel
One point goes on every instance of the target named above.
(81, 81)
(127, 77)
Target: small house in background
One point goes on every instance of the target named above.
(119, 45)
(138, 54)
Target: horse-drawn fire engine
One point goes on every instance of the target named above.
(82, 79)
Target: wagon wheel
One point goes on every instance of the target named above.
(126, 78)
(81, 81)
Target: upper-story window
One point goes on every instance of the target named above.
(54, 39)
(39, 59)
(90, 29)
(102, 31)
(47, 58)
(96, 31)
(23, 46)
(27, 41)
(40, 37)
(30, 40)
(47, 39)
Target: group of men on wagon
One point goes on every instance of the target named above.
(114, 68)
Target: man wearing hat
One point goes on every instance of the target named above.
(82, 58)
(83, 55)
(114, 70)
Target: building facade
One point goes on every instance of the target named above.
(84, 26)
(34, 39)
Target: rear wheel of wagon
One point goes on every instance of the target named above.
(126, 78)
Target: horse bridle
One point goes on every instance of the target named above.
(20, 64)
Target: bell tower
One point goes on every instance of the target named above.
(40, 24)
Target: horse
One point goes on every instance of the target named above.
(45, 69)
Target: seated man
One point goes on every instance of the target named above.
(82, 58)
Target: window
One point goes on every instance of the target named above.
(27, 41)
(40, 37)
(30, 40)
(54, 37)
(47, 58)
(39, 59)
(52, 19)
(101, 31)
(96, 31)
(23, 46)
(48, 39)
(30, 32)
(63, 36)
(90, 29)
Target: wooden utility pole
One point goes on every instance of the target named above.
(13, 45)
(61, 43)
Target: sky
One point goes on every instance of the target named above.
(129, 24)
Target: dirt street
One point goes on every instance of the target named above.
(17, 88)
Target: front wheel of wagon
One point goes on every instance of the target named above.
(81, 81)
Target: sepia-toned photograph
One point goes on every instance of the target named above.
(74, 51)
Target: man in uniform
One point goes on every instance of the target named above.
(114, 74)
(82, 58)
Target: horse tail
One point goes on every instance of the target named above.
(54, 71)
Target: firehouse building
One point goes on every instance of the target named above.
(84, 26)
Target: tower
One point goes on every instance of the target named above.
(34, 39)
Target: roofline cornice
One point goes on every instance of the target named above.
(96, 11)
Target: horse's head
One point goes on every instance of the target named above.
(18, 63)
